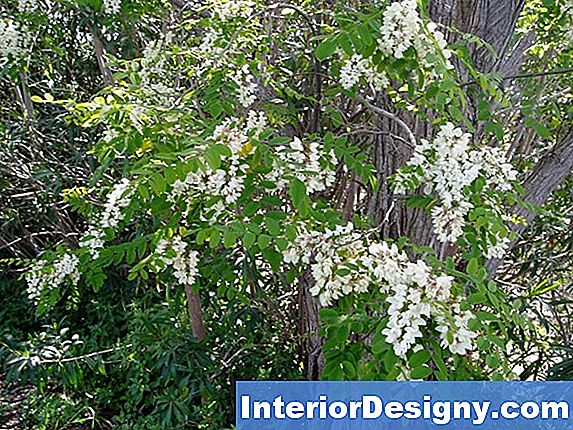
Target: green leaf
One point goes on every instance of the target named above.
(273, 257)
(213, 158)
(325, 49)
(486, 316)
(419, 358)
(473, 266)
(264, 240)
(158, 184)
(349, 369)
(421, 372)
(420, 202)
(539, 128)
(273, 227)
(300, 200)
(214, 239)
(248, 240)
(229, 239)
(390, 360)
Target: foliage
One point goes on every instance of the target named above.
(196, 171)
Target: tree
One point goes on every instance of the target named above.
(374, 165)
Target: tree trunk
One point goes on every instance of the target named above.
(309, 325)
(195, 313)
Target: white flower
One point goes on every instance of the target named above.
(229, 9)
(307, 162)
(119, 198)
(41, 277)
(111, 216)
(359, 67)
(499, 249)
(93, 240)
(454, 331)
(449, 166)
(246, 86)
(13, 41)
(342, 262)
(400, 28)
(28, 5)
(174, 252)
(111, 7)
(256, 122)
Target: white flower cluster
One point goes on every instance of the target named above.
(343, 262)
(403, 28)
(568, 11)
(13, 41)
(227, 181)
(456, 335)
(499, 249)
(230, 9)
(155, 75)
(118, 199)
(112, 215)
(209, 49)
(448, 166)
(28, 5)
(246, 86)
(43, 277)
(305, 161)
(111, 7)
(400, 28)
(358, 67)
(174, 252)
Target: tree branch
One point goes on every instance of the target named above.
(546, 177)
(389, 115)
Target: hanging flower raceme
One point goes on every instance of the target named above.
(175, 253)
(13, 40)
(111, 216)
(43, 277)
(358, 67)
(231, 9)
(227, 181)
(402, 31)
(308, 162)
(246, 86)
(343, 262)
(445, 167)
(111, 7)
